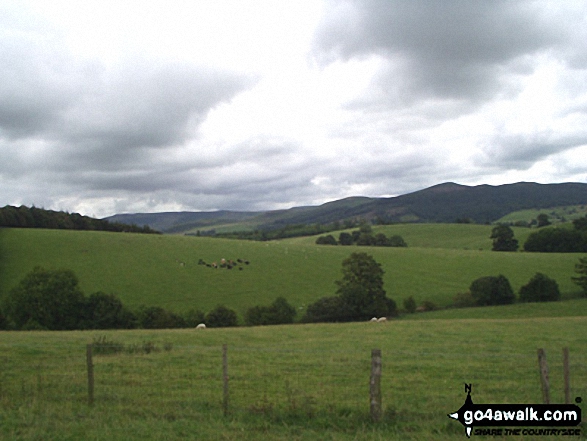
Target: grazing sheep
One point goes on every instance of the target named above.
(374, 319)
(201, 326)
(382, 319)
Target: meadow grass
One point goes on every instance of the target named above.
(441, 261)
(296, 382)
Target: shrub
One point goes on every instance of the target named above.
(194, 317)
(326, 309)
(410, 305)
(397, 241)
(155, 317)
(326, 240)
(103, 346)
(221, 317)
(428, 305)
(463, 300)
(492, 290)
(540, 288)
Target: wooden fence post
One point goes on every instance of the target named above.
(544, 376)
(375, 385)
(567, 374)
(90, 374)
(225, 379)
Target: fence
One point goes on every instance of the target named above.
(177, 381)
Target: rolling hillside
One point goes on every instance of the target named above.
(441, 261)
(441, 203)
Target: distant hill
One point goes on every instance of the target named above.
(441, 203)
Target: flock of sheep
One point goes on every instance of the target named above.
(227, 264)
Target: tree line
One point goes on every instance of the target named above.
(363, 236)
(53, 300)
(545, 240)
(33, 217)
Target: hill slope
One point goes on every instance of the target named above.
(163, 270)
(441, 203)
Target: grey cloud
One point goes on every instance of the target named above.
(521, 151)
(452, 50)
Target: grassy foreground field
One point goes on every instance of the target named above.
(441, 261)
(297, 382)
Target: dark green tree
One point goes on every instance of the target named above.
(345, 238)
(326, 309)
(503, 239)
(397, 241)
(557, 240)
(361, 288)
(581, 270)
(221, 317)
(49, 299)
(156, 317)
(279, 312)
(106, 311)
(540, 288)
(492, 290)
(326, 240)
(542, 220)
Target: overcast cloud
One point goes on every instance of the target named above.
(115, 107)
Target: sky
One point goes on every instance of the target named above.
(146, 106)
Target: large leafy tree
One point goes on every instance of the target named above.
(492, 290)
(361, 288)
(49, 299)
(540, 288)
(503, 239)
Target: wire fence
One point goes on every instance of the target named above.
(179, 380)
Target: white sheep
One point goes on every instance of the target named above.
(201, 326)
(382, 319)
(374, 319)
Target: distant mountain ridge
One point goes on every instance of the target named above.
(441, 203)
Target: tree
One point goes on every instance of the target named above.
(221, 317)
(557, 240)
(397, 241)
(326, 309)
(345, 238)
(106, 311)
(361, 288)
(156, 317)
(326, 240)
(49, 299)
(542, 220)
(279, 312)
(492, 290)
(503, 239)
(540, 288)
(581, 269)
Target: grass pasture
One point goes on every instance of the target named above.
(297, 382)
(441, 261)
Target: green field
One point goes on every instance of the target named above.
(440, 261)
(296, 382)
(555, 214)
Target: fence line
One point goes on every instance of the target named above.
(278, 380)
